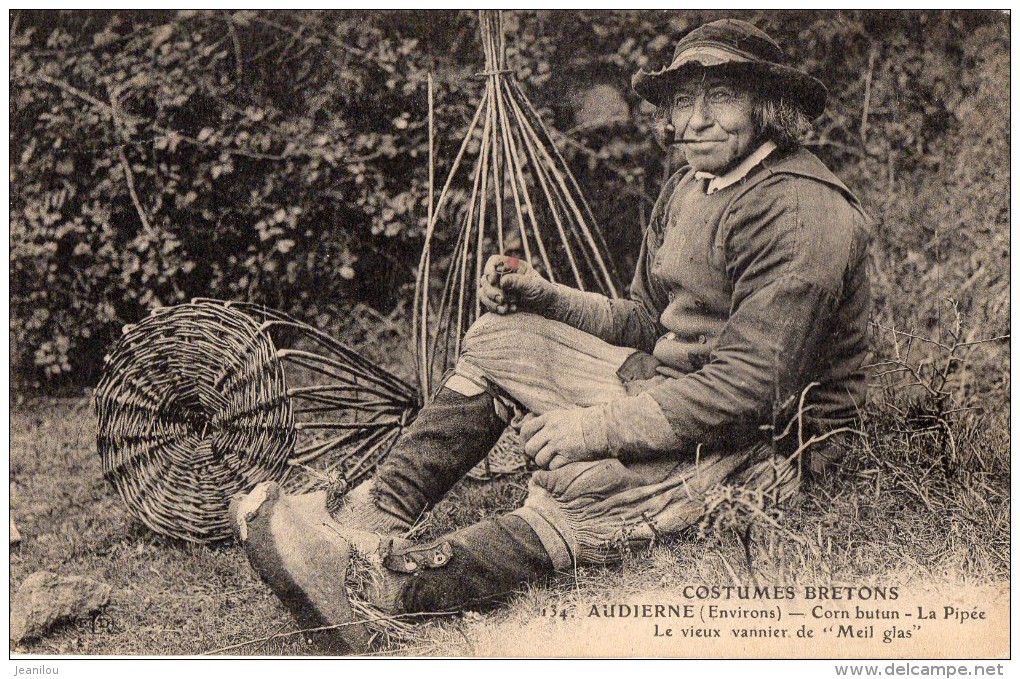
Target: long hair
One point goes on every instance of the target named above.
(778, 120)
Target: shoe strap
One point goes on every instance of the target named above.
(415, 558)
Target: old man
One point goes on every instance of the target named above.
(741, 344)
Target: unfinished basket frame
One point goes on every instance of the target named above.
(194, 406)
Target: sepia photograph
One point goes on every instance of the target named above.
(516, 333)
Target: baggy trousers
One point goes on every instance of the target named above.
(591, 512)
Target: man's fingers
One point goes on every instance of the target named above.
(499, 292)
(668, 372)
(491, 264)
(490, 295)
(491, 271)
(545, 456)
(511, 281)
(489, 275)
(558, 461)
(487, 301)
(483, 296)
(501, 309)
(536, 450)
(534, 447)
(489, 288)
(532, 426)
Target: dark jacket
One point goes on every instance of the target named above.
(752, 294)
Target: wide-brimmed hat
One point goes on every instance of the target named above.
(737, 46)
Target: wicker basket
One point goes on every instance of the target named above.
(192, 408)
(204, 400)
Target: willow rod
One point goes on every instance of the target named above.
(467, 241)
(517, 167)
(484, 162)
(347, 354)
(314, 451)
(307, 360)
(551, 165)
(513, 184)
(572, 215)
(594, 233)
(543, 182)
(498, 179)
(446, 307)
(425, 262)
(386, 440)
(424, 379)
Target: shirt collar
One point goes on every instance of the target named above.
(739, 172)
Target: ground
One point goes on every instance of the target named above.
(890, 516)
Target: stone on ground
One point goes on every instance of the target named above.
(46, 599)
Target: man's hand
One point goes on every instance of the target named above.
(560, 437)
(509, 284)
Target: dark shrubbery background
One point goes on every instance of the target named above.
(281, 157)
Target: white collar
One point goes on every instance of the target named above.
(739, 172)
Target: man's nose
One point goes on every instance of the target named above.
(701, 113)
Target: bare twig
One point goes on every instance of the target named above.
(238, 60)
(326, 628)
(129, 177)
(135, 200)
(866, 107)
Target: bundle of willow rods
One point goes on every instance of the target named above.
(524, 201)
(197, 402)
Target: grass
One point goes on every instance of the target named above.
(896, 510)
(924, 500)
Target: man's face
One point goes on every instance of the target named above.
(713, 124)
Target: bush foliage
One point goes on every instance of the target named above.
(281, 157)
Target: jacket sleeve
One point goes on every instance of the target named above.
(789, 243)
(632, 322)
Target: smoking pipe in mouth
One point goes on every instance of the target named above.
(669, 137)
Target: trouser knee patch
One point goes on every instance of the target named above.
(464, 385)
(469, 384)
